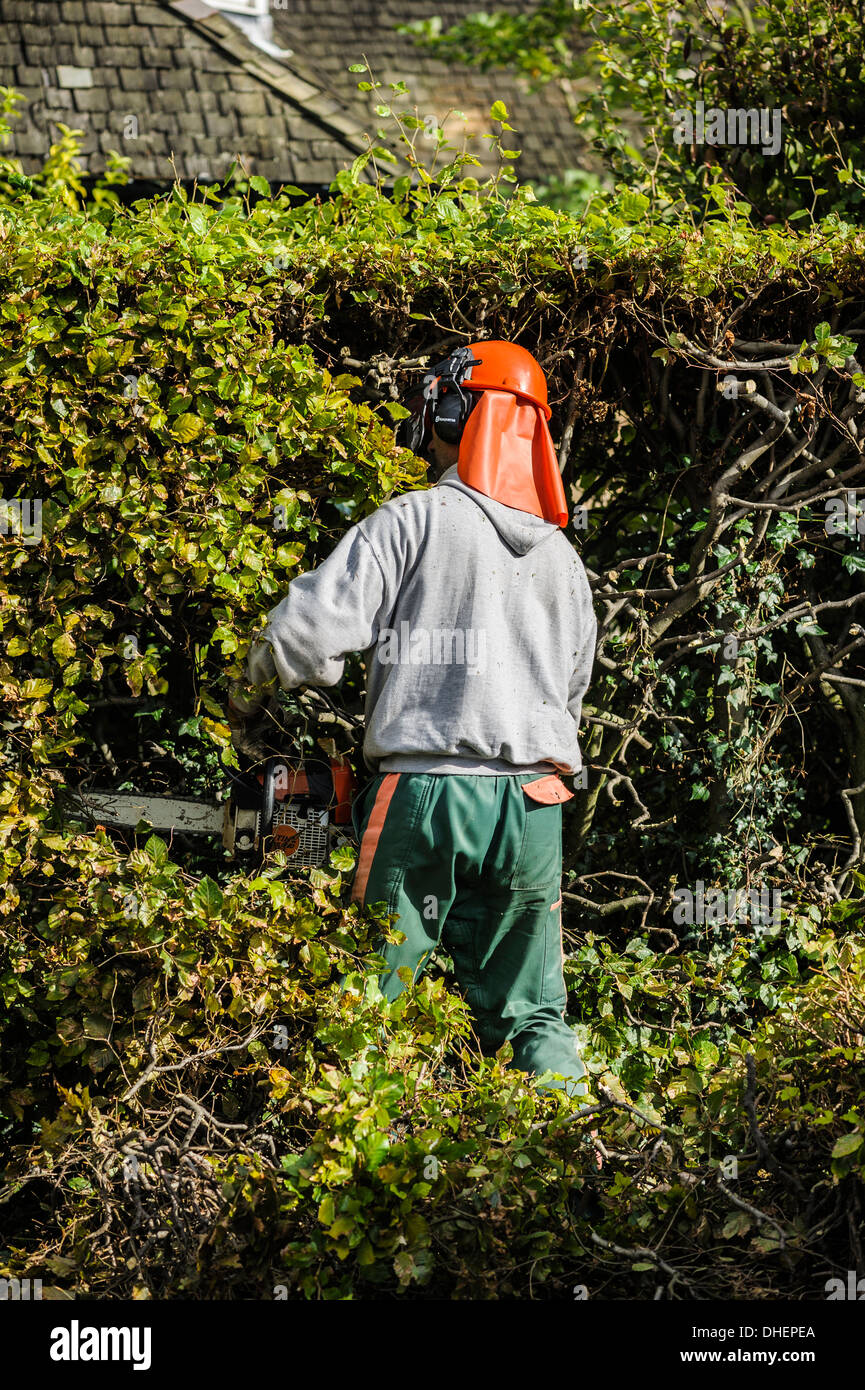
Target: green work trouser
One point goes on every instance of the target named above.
(474, 863)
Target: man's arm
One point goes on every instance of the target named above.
(585, 656)
(327, 613)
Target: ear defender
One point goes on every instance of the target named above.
(452, 404)
(450, 414)
(441, 403)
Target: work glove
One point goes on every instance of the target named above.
(256, 733)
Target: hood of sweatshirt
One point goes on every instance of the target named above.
(520, 530)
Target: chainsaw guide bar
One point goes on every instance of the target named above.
(294, 809)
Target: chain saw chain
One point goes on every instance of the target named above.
(299, 808)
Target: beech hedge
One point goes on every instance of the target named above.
(201, 394)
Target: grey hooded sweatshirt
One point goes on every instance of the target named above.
(477, 629)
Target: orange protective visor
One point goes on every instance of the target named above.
(506, 453)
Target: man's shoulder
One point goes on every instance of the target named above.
(567, 559)
(406, 509)
(564, 547)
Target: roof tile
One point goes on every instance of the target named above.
(91, 100)
(89, 33)
(249, 103)
(158, 58)
(69, 76)
(126, 32)
(139, 80)
(56, 99)
(133, 101)
(153, 14)
(33, 33)
(105, 12)
(119, 55)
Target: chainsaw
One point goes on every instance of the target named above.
(297, 808)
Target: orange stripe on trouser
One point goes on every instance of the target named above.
(558, 904)
(372, 835)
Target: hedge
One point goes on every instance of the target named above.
(202, 394)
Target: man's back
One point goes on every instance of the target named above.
(477, 626)
(492, 618)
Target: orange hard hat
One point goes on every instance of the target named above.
(506, 451)
(507, 367)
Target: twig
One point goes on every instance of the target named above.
(154, 1070)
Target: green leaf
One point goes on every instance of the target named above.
(706, 1051)
(209, 897)
(198, 220)
(634, 207)
(187, 427)
(343, 858)
(156, 850)
(738, 1223)
(359, 164)
(99, 361)
(498, 111)
(63, 648)
(34, 689)
(260, 185)
(847, 1144)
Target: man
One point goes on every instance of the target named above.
(475, 619)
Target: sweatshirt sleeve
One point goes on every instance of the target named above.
(585, 655)
(327, 613)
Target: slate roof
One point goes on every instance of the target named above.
(156, 79)
(331, 34)
(152, 80)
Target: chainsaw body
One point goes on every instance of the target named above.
(301, 808)
(295, 809)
